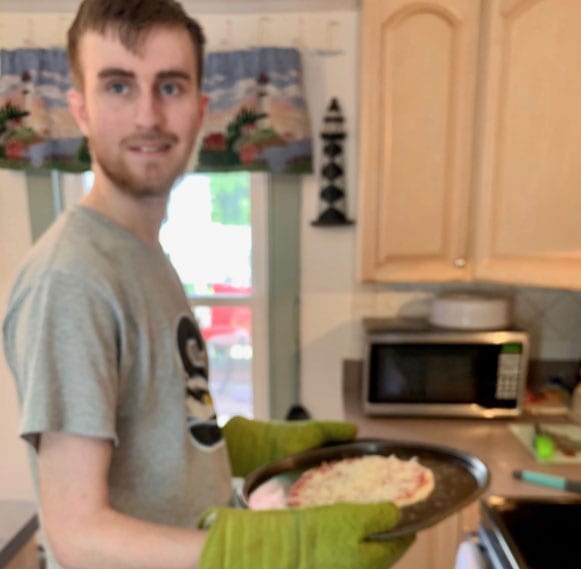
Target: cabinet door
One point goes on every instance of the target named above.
(528, 175)
(434, 548)
(418, 83)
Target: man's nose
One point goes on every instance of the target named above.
(148, 113)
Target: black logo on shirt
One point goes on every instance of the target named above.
(201, 414)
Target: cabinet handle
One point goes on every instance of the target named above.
(459, 262)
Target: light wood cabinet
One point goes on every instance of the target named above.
(528, 176)
(419, 67)
(434, 548)
(469, 131)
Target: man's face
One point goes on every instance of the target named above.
(140, 111)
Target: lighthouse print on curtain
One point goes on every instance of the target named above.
(36, 128)
(257, 117)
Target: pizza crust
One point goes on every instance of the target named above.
(370, 478)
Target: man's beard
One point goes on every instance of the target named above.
(145, 184)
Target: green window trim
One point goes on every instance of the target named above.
(284, 292)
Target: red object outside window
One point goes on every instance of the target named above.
(235, 321)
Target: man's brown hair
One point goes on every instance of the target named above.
(130, 19)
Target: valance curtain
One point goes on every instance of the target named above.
(256, 119)
(36, 128)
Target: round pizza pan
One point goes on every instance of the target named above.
(460, 478)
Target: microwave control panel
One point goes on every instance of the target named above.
(507, 380)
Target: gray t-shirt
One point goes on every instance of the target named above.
(101, 341)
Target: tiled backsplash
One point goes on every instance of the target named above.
(552, 317)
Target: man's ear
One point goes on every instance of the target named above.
(78, 109)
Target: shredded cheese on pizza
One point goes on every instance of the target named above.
(370, 478)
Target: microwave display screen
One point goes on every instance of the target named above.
(434, 373)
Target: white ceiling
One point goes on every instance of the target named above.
(197, 6)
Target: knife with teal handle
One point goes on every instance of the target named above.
(548, 480)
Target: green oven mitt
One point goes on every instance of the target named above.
(252, 444)
(322, 537)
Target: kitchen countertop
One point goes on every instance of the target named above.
(488, 439)
(18, 522)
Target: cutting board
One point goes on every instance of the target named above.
(525, 433)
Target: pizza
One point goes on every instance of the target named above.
(370, 478)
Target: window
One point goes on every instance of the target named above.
(215, 236)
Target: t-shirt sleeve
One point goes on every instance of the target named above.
(61, 341)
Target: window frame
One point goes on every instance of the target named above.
(258, 299)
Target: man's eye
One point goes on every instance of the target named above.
(169, 89)
(117, 88)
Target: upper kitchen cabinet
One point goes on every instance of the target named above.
(419, 68)
(528, 166)
(471, 123)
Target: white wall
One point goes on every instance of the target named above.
(15, 240)
(327, 253)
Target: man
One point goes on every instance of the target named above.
(110, 366)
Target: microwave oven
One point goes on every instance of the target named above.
(414, 368)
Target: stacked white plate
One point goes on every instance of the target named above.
(468, 311)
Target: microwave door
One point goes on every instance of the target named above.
(427, 374)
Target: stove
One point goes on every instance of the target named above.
(530, 533)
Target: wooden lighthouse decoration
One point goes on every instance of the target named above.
(332, 210)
